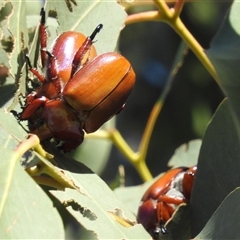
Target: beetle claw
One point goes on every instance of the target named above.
(28, 61)
(96, 31)
(162, 228)
(16, 114)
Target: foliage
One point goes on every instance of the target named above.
(85, 207)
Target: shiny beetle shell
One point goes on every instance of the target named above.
(100, 88)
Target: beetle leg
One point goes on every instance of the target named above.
(35, 72)
(69, 4)
(20, 99)
(162, 228)
(164, 212)
(171, 199)
(96, 31)
(43, 37)
(31, 107)
(15, 114)
(83, 50)
(158, 229)
(43, 44)
(53, 72)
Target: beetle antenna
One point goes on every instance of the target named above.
(96, 31)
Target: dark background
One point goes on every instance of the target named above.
(194, 97)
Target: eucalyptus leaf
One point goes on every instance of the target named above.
(18, 28)
(218, 167)
(179, 226)
(225, 222)
(10, 128)
(19, 33)
(86, 15)
(25, 210)
(224, 53)
(186, 155)
(96, 208)
(7, 82)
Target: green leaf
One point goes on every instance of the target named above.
(10, 130)
(87, 15)
(22, 202)
(179, 226)
(7, 86)
(25, 210)
(225, 56)
(186, 155)
(218, 167)
(94, 207)
(131, 196)
(225, 222)
(7, 92)
(18, 29)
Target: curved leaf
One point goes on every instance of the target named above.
(22, 202)
(94, 205)
(18, 29)
(25, 210)
(225, 56)
(97, 209)
(7, 87)
(10, 128)
(218, 167)
(86, 15)
(186, 155)
(217, 227)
